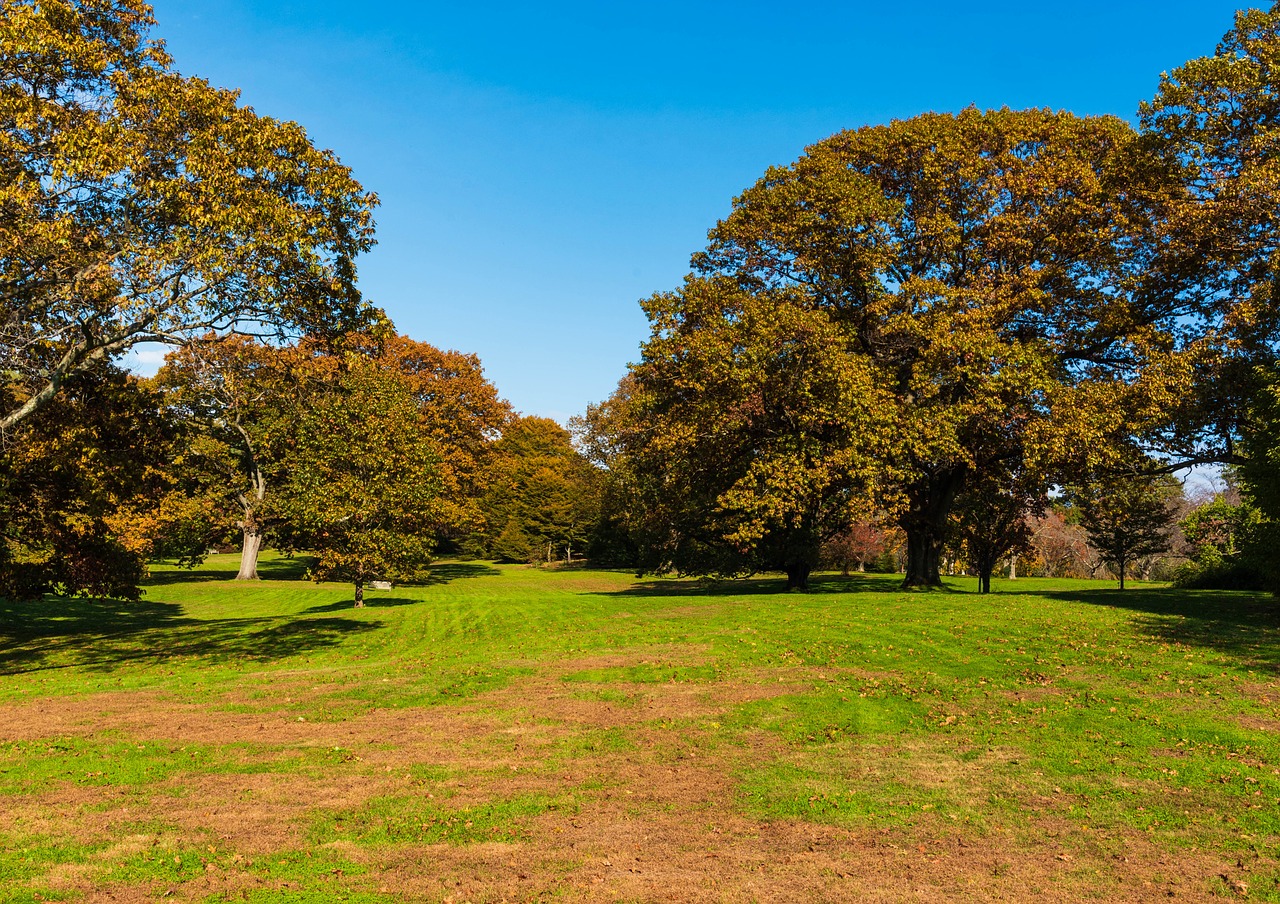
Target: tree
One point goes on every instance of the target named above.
(1260, 475)
(979, 269)
(994, 516)
(1128, 517)
(140, 205)
(863, 541)
(79, 484)
(1217, 120)
(362, 491)
(734, 437)
(1060, 545)
(465, 417)
(240, 400)
(543, 495)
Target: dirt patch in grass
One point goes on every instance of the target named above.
(650, 805)
(1258, 723)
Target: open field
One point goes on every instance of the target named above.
(506, 733)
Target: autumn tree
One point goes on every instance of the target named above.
(863, 541)
(465, 417)
(362, 486)
(976, 269)
(1059, 545)
(739, 439)
(1128, 517)
(543, 495)
(240, 401)
(1217, 119)
(141, 205)
(87, 491)
(994, 514)
(1259, 475)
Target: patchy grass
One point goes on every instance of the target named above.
(507, 732)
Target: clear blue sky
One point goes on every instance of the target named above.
(543, 166)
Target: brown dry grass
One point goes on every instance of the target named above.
(656, 822)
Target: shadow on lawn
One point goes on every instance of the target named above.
(58, 632)
(274, 569)
(1240, 624)
(818, 584)
(370, 602)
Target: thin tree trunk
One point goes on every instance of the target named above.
(1013, 568)
(249, 549)
(359, 594)
(862, 567)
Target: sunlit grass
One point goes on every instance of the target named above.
(1152, 711)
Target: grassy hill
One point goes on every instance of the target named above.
(509, 733)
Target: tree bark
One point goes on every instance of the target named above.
(359, 594)
(1013, 567)
(251, 545)
(925, 524)
(798, 575)
(984, 581)
(924, 558)
(249, 550)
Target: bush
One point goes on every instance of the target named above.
(1218, 574)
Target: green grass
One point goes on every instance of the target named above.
(1151, 712)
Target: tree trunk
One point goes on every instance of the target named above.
(984, 580)
(249, 549)
(924, 559)
(798, 575)
(1013, 568)
(925, 524)
(359, 594)
(862, 567)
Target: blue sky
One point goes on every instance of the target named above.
(542, 167)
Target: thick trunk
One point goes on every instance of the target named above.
(359, 594)
(924, 558)
(925, 524)
(249, 549)
(1013, 568)
(798, 575)
(984, 581)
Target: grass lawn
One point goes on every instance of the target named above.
(508, 733)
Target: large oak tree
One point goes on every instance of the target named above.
(991, 275)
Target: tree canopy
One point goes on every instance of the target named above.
(141, 205)
(994, 280)
(363, 490)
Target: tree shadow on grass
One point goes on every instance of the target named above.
(102, 635)
(763, 585)
(1245, 626)
(370, 602)
(280, 568)
(444, 572)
